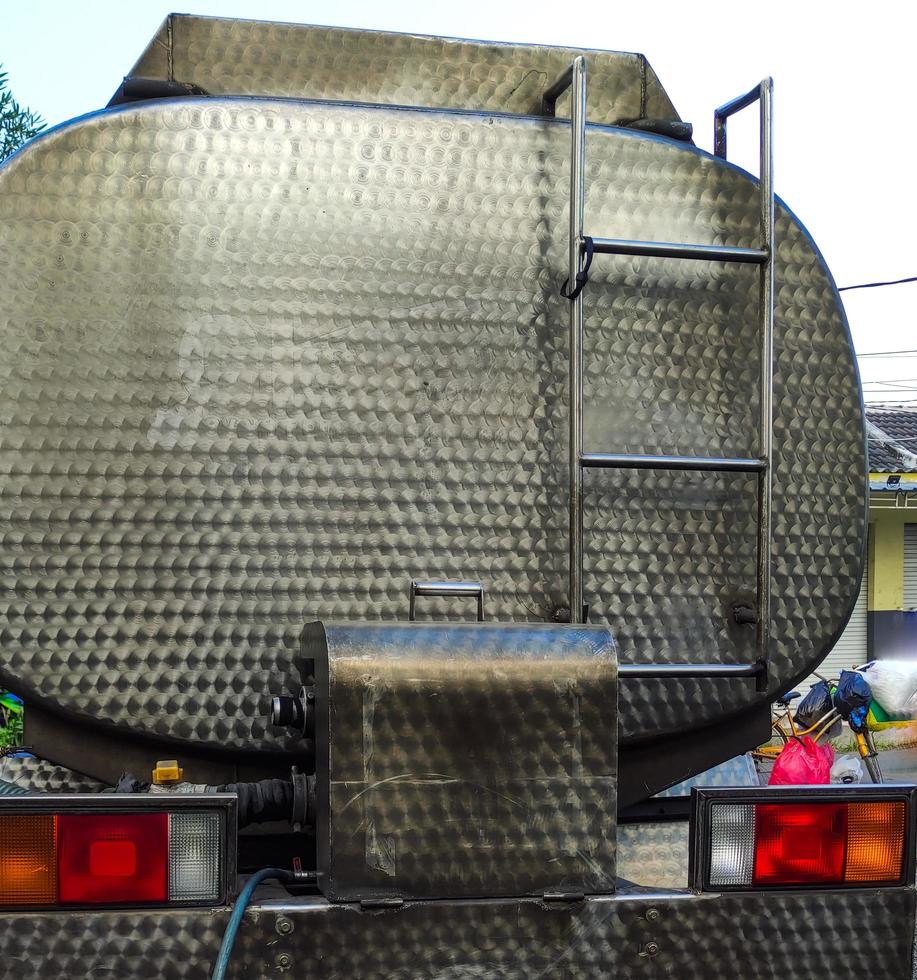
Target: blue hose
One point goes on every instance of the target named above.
(232, 928)
(11, 789)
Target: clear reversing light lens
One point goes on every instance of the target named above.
(194, 857)
(732, 851)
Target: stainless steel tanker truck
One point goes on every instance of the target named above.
(421, 469)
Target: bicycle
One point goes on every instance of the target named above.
(784, 727)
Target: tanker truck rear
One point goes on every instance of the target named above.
(422, 468)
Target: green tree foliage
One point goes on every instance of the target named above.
(10, 720)
(17, 124)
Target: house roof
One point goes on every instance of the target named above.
(892, 435)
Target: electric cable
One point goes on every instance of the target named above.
(888, 353)
(874, 285)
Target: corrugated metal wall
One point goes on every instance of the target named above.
(910, 567)
(850, 649)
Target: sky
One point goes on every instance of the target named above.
(844, 104)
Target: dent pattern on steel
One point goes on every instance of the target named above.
(247, 57)
(752, 937)
(654, 854)
(265, 362)
(464, 759)
(41, 776)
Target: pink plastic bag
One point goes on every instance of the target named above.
(802, 763)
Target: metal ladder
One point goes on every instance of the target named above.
(581, 250)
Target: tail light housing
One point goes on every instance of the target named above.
(802, 837)
(117, 851)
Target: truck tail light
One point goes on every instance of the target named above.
(802, 837)
(116, 851)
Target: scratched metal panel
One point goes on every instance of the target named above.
(248, 57)
(266, 361)
(465, 759)
(842, 935)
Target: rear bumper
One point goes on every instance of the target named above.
(851, 933)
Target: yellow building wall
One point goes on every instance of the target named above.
(885, 568)
(885, 562)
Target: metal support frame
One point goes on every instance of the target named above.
(575, 78)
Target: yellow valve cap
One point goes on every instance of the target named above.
(167, 771)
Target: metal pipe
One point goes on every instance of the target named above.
(674, 250)
(446, 590)
(766, 398)
(711, 464)
(577, 207)
(688, 670)
(552, 94)
(724, 112)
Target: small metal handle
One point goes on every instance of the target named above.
(445, 590)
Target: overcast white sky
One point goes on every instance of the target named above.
(844, 103)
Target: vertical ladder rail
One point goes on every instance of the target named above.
(766, 401)
(763, 94)
(577, 208)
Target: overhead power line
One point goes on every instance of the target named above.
(873, 285)
(888, 353)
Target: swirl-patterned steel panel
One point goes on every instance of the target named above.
(266, 361)
(752, 936)
(249, 57)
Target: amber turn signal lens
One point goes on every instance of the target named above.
(875, 841)
(28, 862)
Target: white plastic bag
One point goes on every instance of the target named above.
(892, 683)
(910, 706)
(847, 769)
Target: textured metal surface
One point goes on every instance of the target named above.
(464, 759)
(843, 935)
(246, 57)
(654, 853)
(42, 776)
(267, 361)
(739, 771)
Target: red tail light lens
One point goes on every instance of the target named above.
(800, 843)
(121, 859)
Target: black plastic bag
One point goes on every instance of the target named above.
(852, 699)
(814, 706)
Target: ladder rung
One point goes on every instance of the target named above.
(690, 670)
(675, 250)
(715, 464)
